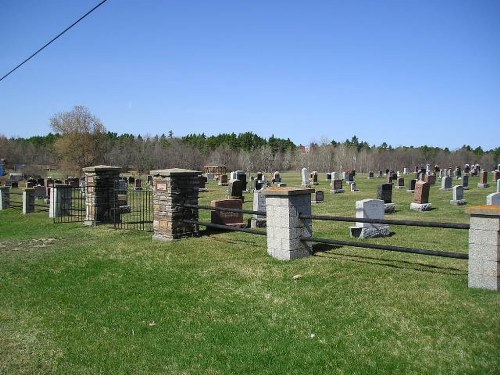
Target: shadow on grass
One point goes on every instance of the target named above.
(322, 250)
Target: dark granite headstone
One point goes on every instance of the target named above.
(384, 192)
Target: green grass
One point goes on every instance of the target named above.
(77, 300)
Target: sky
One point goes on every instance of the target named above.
(405, 72)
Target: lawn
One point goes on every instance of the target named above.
(79, 300)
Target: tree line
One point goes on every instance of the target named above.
(80, 139)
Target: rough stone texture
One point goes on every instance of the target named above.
(259, 204)
(421, 195)
(60, 200)
(172, 188)
(234, 219)
(4, 197)
(484, 247)
(465, 182)
(446, 183)
(389, 208)
(483, 180)
(420, 206)
(28, 200)
(384, 192)
(370, 209)
(99, 194)
(412, 185)
(284, 227)
(400, 183)
(458, 196)
(336, 186)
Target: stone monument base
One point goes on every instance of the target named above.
(420, 206)
(400, 187)
(389, 208)
(373, 232)
(483, 186)
(410, 191)
(335, 191)
(458, 202)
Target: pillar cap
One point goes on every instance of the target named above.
(485, 210)
(286, 191)
(99, 168)
(173, 172)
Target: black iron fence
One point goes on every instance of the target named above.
(71, 207)
(133, 207)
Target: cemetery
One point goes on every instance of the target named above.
(171, 260)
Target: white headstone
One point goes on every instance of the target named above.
(493, 199)
(305, 177)
(334, 176)
(370, 209)
(498, 186)
(405, 171)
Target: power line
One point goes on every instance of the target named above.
(52, 40)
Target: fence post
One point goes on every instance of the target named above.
(60, 200)
(28, 200)
(4, 197)
(100, 193)
(484, 247)
(284, 227)
(171, 189)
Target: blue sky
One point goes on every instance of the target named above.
(402, 72)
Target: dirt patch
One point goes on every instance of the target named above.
(26, 245)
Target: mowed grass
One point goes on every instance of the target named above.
(77, 300)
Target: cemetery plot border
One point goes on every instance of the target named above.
(132, 208)
(388, 247)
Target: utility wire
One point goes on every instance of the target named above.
(52, 40)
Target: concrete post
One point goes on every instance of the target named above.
(171, 189)
(4, 197)
(60, 200)
(284, 227)
(99, 194)
(484, 247)
(28, 200)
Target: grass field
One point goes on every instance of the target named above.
(78, 300)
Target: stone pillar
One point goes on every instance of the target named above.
(171, 189)
(4, 197)
(484, 247)
(28, 200)
(60, 200)
(99, 194)
(284, 227)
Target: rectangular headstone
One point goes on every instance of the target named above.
(412, 185)
(465, 182)
(446, 183)
(336, 186)
(225, 217)
(458, 195)
(384, 193)
(483, 180)
(370, 209)
(235, 189)
(422, 190)
(305, 177)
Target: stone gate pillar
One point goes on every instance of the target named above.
(484, 247)
(100, 190)
(4, 197)
(60, 200)
(171, 189)
(284, 227)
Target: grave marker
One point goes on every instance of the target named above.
(483, 180)
(421, 197)
(370, 209)
(446, 183)
(493, 199)
(232, 219)
(458, 196)
(336, 186)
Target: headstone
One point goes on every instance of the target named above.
(40, 192)
(150, 180)
(233, 219)
(428, 168)
(493, 199)
(235, 189)
(259, 204)
(349, 177)
(496, 175)
(458, 172)
(276, 177)
(370, 209)
(371, 175)
(334, 176)
(421, 197)
(241, 175)
(259, 176)
(344, 175)
(498, 186)
(465, 182)
(329, 177)
(319, 196)
(336, 186)
(458, 196)
(446, 183)
(405, 171)
(483, 180)
(131, 180)
(384, 193)
(314, 177)
(400, 183)
(138, 184)
(210, 176)
(202, 180)
(354, 188)
(430, 178)
(412, 185)
(305, 177)
(223, 180)
(380, 174)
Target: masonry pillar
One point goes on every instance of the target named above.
(173, 188)
(4, 197)
(28, 200)
(484, 247)
(60, 200)
(100, 190)
(284, 227)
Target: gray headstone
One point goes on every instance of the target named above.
(305, 177)
(446, 183)
(493, 199)
(370, 209)
(465, 182)
(458, 195)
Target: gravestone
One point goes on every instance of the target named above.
(222, 180)
(446, 183)
(138, 184)
(483, 180)
(319, 196)
(305, 177)
(400, 183)
(465, 182)
(412, 185)
(380, 174)
(349, 177)
(334, 176)
(131, 180)
(329, 176)
(202, 181)
(314, 177)
(496, 175)
(421, 197)
(259, 204)
(241, 175)
(493, 199)
(354, 188)
(384, 193)
(259, 176)
(235, 189)
(389, 178)
(371, 175)
(498, 186)
(150, 180)
(210, 176)
(430, 178)
(458, 196)
(232, 219)
(370, 209)
(276, 177)
(336, 186)
(405, 171)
